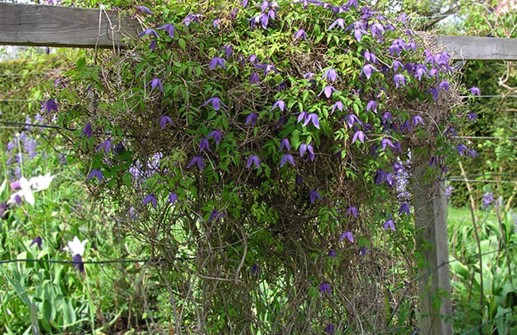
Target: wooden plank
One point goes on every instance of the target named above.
(432, 241)
(52, 26)
(479, 48)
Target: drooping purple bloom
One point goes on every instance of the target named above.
(372, 105)
(298, 180)
(169, 28)
(152, 45)
(314, 195)
(386, 142)
(215, 102)
(37, 241)
(475, 91)
(377, 30)
(420, 71)
(359, 135)
(327, 91)
(191, 18)
(197, 161)
(368, 70)
(448, 191)
(332, 253)
(253, 160)
(287, 158)
(309, 75)
(148, 31)
(337, 105)
(204, 145)
(330, 329)
(472, 116)
(462, 148)
(49, 106)
(417, 119)
(488, 199)
(353, 211)
(155, 83)
(144, 10)
(389, 224)
(95, 173)
(444, 85)
(244, 3)
(217, 135)
(324, 288)
(362, 251)
(217, 61)
(164, 120)
(309, 117)
(255, 270)
(228, 50)
(88, 130)
(399, 80)
(370, 56)
(251, 120)
(280, 104)
(307, 148)
(173, 197)
(359, 30)
(300, 34)
(215, 215)
(254, 78)
(348, 235)
(77, 261)
(285, 145)
(339, 22)
(106, 145)
(330, 75)
(404, 208)
(397, 65)
(150, 198)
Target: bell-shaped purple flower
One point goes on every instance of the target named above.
(253, 161)
(300, 34)
(338, 23)
(217, 61)
(314, 195)
(285, 145)
(169, 28)
(347, 235)
(197, 161)
(337, 105)
(204, 145)
(330, 329)
(325, 288)
(217, 135)
(404, 208)
(164, 120)
(88, 130)
(155, 83)
(150, 198)
(144, 10)
(254, 78)
(372, 105)
(78, 263)
(215, 102)
(280, 104)
(358, 136)
(105, 145)
(332, 253)
(38, 241)
(173, 197)
(475, 91)
(148, 31)
(251, 120)
(399, 80)
(389, 224)
(327, 91)
(352, 211)
(95, 173)
(49, 106)
(368, 70)
(330, 75)
(287, 158)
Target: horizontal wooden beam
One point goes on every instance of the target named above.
(479, 48)
(53, 26)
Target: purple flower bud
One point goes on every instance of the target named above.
(215, 102)
(164, 120)
(389, 224)
(300, 34)
(204, 145)
(77, 261)
(228, 50)
(148, 31)
(330, 329)
(337, 105)
(217, 135)
(332, 253)
(314, 195)
(475, 91)
(255, 270)
(87, 130)
(49, 106)
(37, 241)
(251, 120)
(330, 75)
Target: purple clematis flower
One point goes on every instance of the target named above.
(255, 270)
(204, 145)
(386, 142)
(309, 117)
(152, 45)
(389, 224)
(254, 78)
(191, 18)
(287, 158)
(228, 50)
(488, 199)
(87, 130)
(155, 83)
(462, 148)
(314, 195)
(353, 211)
(215, 215)
(339, 23)
(417, 119)
(327, 91)
(348, 235)
(198, 161)
(148, 31)
(330, 75)
(370, 57)
(372, 105)
(253, 160)
(251, 120)
(332, 253)
(368, 70)
(95, 173)
(49, 106)
(150, 198)
(337, 105)
(399, 80)
(330, 329)
(359, 135)
(324, 288)
(217, 135)
(164, 120)
(285, 145)
(77, 261)
(217, 61)
(444, 85)
(215, 102)
(37, 241)
(173, 197)
(106, 145)
(475, 91)
(144, 10)
(280, 104)
(307, 148)
(298, 180)
(300, 34)
(169, 28)
(404, 208)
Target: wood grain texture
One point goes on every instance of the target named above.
(479, 48)
(52, 26)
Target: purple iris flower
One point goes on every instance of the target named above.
(330, 75)
(399, 80)
(389, 224)
(95, 173)
(204, 145)
(198, 161)
(314, 195)
(324, 288)
(144, 10)
(475, 91)
(280, 104)
(148, 31)
(404, 208)
(287, 158)
(150, 198)
(87, 130)
(49, 106)
(327, 91)
(173, 197)
(253, 160)
(285, 145)
(307, 148)
(215, 102)
(164, 120)
(37, 241)
(339, 22)
(217, 135)
(254, 78)
(106, 145)
(337, 105)
(169, 28)
(77, 261)
(300, 34)
(368, 70)
(353, 211)
(348, 235)
(359, 135)
(154, 83)
(217, 61)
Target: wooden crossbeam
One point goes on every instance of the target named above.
(52, 26)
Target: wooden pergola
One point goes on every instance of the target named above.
(52, 26)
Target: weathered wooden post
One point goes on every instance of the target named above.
(432, 242)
